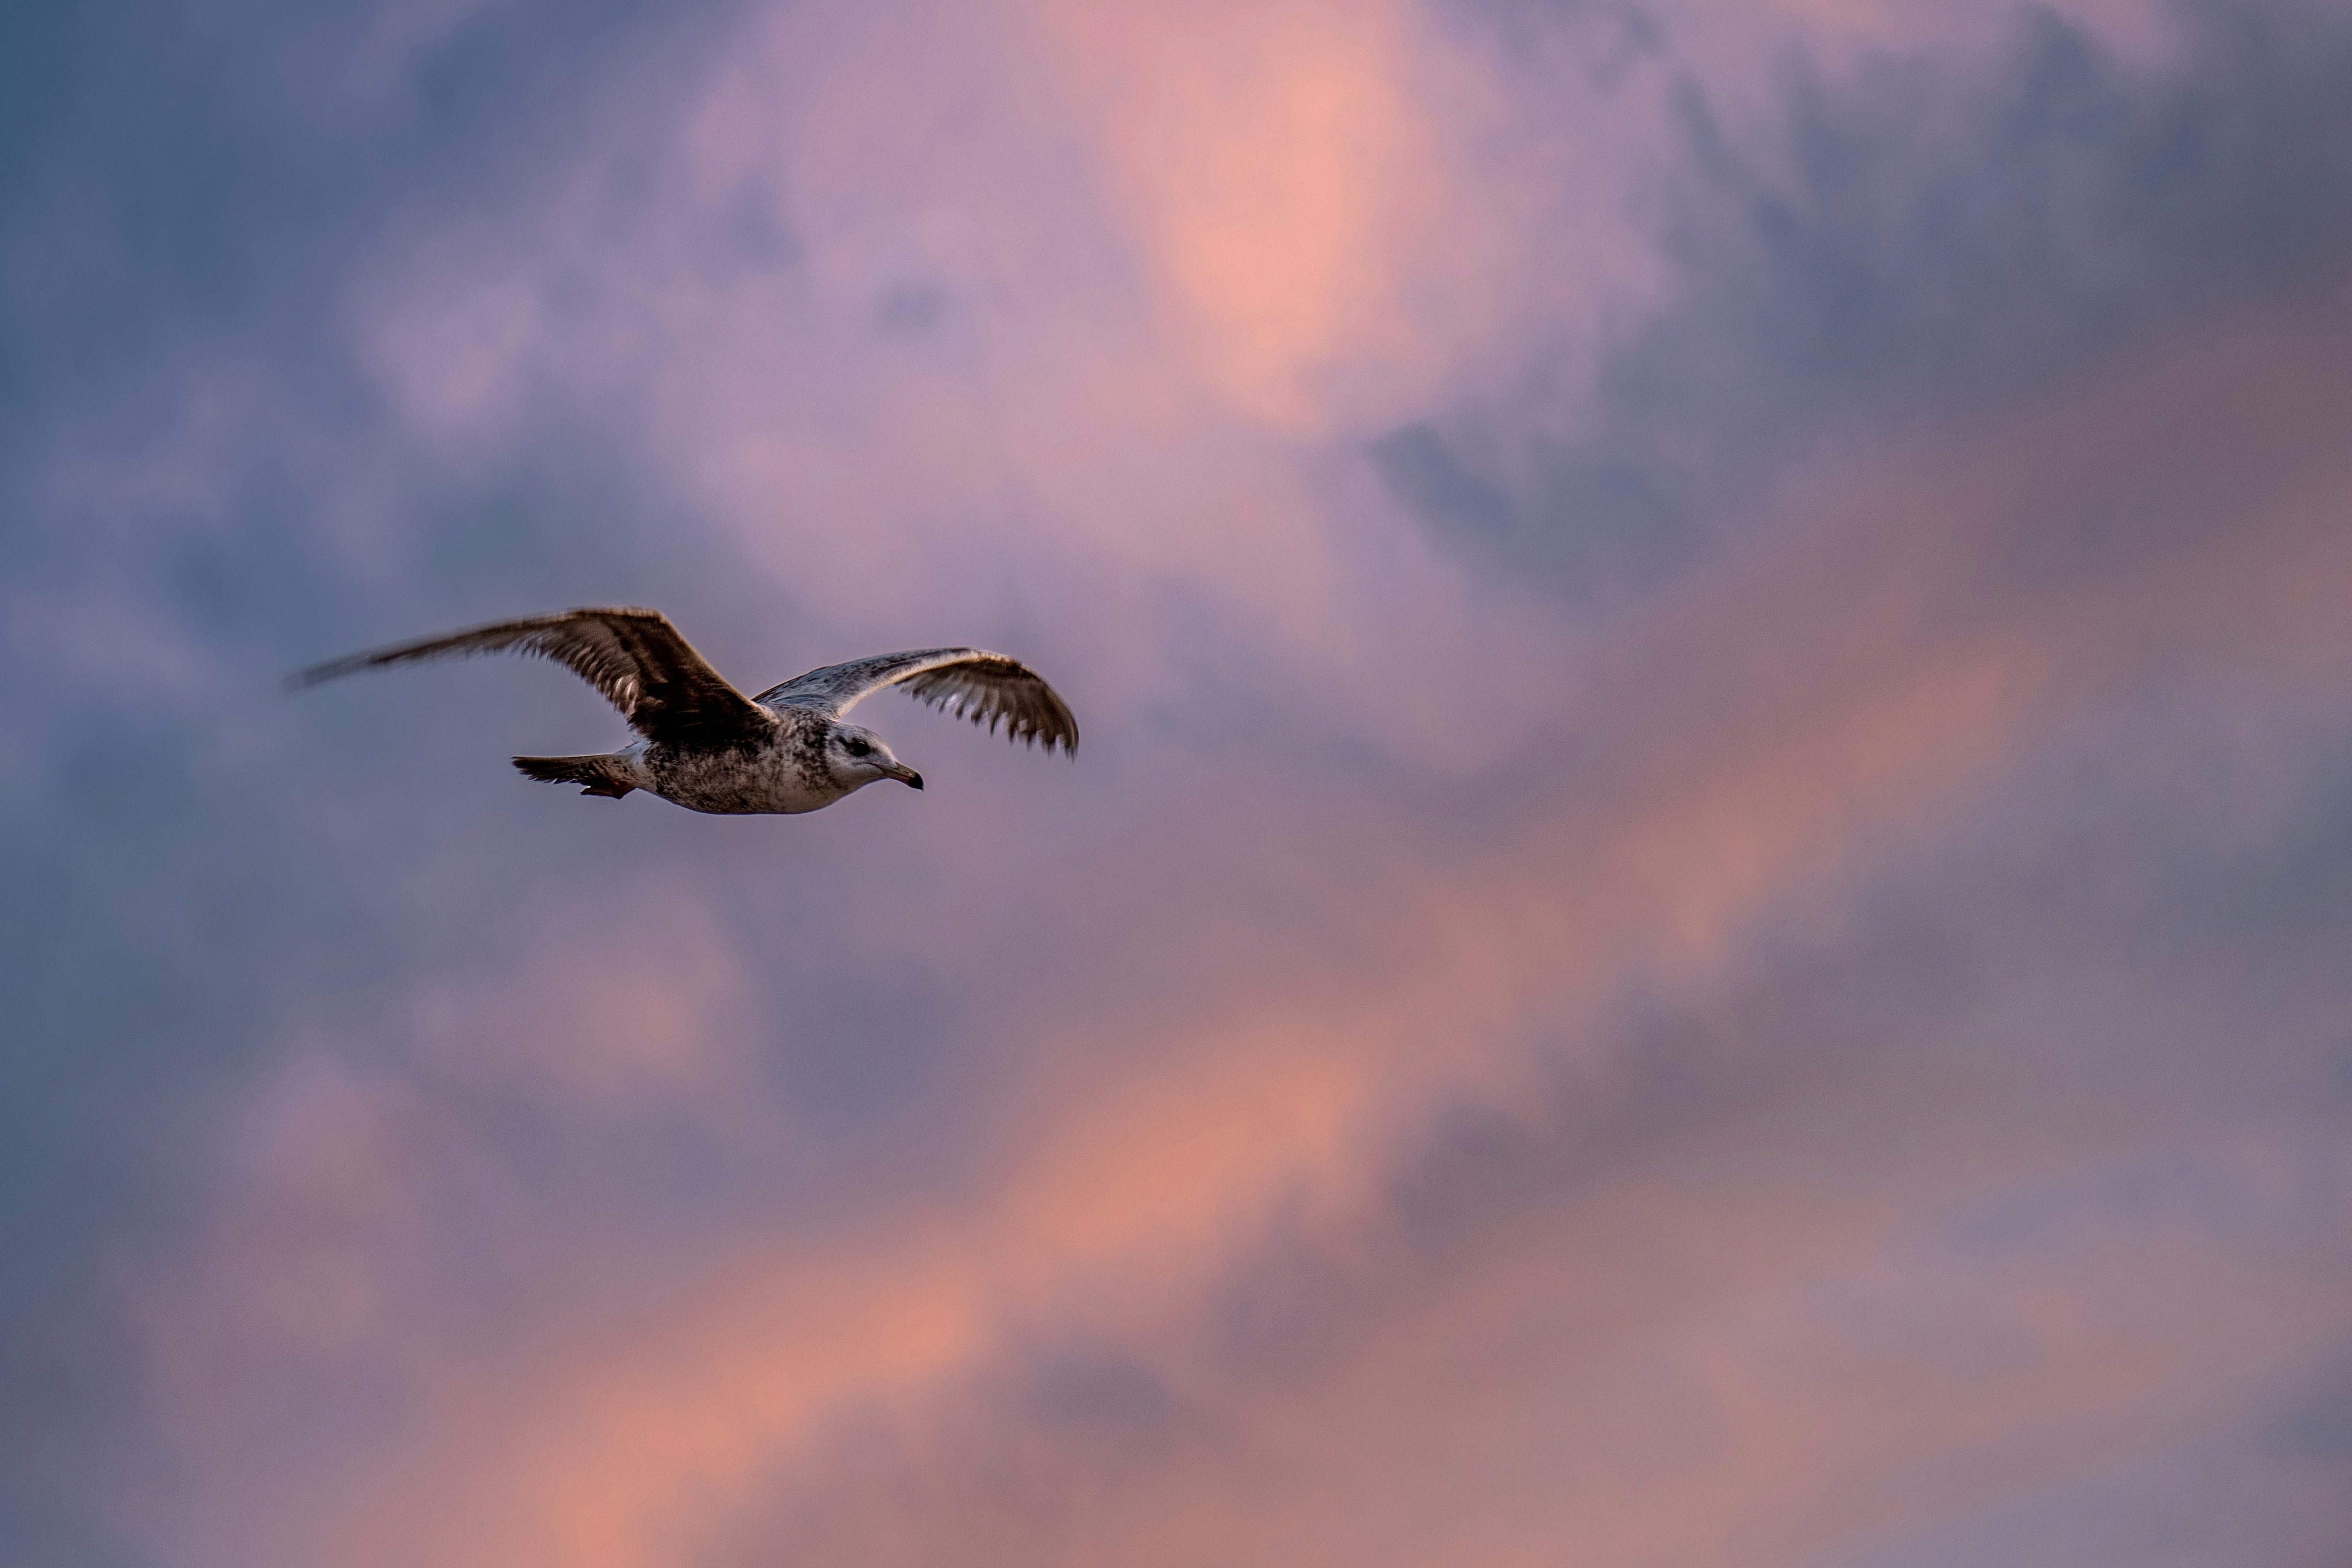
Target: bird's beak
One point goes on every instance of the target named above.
(905, 775)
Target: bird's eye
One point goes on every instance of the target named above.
(855, 748)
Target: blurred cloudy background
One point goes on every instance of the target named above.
(1703, 924)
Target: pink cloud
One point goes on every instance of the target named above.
(1122, 1193)
(1146, 342)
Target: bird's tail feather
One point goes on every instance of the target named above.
(597, 773)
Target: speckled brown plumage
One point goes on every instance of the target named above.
(705, 746)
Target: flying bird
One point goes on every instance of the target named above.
(704, 745)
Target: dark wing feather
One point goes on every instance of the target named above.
(636, 657)
(965, 681)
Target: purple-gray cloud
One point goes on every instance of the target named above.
(1702, 922)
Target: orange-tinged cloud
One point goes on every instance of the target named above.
(1289, 197)
(1285, 179)
(1885, 695)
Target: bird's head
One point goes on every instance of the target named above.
(857, 757)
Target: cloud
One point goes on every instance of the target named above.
(1872, 237)
(1109, 1216)
(1685, 615)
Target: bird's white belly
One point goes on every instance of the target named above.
(766, 779)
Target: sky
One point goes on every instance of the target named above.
(1702, 920)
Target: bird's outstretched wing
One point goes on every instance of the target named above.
(965, 681)
(636, 657)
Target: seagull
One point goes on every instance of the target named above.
(705, 746)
